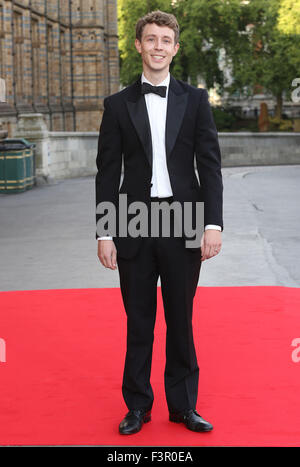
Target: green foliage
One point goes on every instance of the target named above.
(199, 41)
(289, 17)
(264, 56)
(261, 39)
(279, 124)
(223, 118)
(198, 53)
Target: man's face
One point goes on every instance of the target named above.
(157, 47)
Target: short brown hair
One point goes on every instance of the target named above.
(161, 19)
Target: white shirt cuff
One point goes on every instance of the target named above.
(212, 226)
(208, 226)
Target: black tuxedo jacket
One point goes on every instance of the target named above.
(190, 132)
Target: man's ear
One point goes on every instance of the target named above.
(137, 45)
(176, 48)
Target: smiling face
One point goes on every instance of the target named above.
(157, 48)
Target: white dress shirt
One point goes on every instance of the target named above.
(157, 113)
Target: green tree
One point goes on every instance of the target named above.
(199, 38)
(260, 47)
(263, 55)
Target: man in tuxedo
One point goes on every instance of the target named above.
(160, 126)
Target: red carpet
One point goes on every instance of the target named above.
(61, 382)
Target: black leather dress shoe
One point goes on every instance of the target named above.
(134, 420)
(192, 420)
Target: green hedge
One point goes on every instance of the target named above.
(223, 118)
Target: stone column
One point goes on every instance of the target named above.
(33, 128)
(3, 133)
(2, 90)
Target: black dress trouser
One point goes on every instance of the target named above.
(179, 269)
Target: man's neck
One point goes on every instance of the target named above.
(156, 78)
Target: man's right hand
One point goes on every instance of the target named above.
(107, 253)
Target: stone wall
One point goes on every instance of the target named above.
(241, 149)
(58, 58)
(74, 154)
(61, 155)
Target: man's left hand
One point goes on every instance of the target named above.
(211, 243)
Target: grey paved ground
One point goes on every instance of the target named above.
(47, 234)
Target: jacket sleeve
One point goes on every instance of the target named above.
(208, 162)
(109, 159)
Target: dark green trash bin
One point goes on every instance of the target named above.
(17, 169)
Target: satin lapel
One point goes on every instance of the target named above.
(138, 113)
(177, 102)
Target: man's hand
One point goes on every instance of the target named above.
(107, 253)
(211, 243)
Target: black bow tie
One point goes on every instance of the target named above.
(160, 90)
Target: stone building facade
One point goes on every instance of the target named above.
(59, 58)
